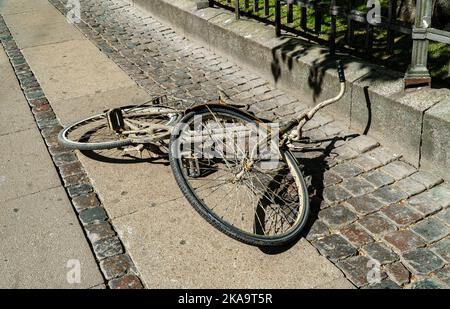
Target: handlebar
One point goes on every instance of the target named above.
(304, 117)
(341, 72)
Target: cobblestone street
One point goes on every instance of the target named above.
(367, 203)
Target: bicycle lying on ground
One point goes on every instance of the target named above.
(236, 170)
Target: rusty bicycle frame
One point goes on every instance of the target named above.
(142, 133)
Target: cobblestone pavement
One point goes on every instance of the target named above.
(367, 203)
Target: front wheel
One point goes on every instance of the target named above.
(257, 197)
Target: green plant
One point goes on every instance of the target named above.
(398, 59)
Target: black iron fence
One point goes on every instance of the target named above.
(309, 17)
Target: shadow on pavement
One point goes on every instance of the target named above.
(314, 169)
(116, 156)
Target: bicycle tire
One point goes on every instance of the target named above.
(90, 146)
(211, 217)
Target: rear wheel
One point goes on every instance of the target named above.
(255, 197)
(95, 132)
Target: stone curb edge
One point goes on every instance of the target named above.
(117, 268)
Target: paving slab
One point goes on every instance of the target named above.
(12, 105)
(173, 247)
(341, 283)
(126, 188)
(21, 6)
(73, 69)
(25, 167)
(74, 109)
(30, 29)
(42, 254)
(41, 238)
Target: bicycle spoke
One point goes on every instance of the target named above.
(256, 212)
(222, 157)
(270, 199)
(136, 120)
(249, 196)
(215, 117)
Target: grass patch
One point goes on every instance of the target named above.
(398, 59)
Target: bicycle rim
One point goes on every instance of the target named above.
(94, 133)
(267, 206)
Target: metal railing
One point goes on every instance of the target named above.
(422, 33)
(280, 13)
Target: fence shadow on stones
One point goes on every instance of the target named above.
(293, 49)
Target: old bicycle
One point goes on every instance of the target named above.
(253, 192)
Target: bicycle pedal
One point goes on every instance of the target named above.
(115, 119)
(193, 167)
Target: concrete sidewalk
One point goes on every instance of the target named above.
(367, 202)
(171, 246)
(40, 234)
